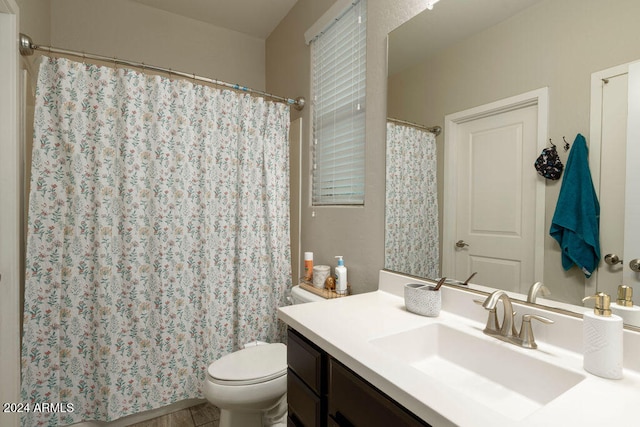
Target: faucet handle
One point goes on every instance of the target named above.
(528, 317)
(526, 332)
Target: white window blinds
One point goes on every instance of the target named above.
(339, 68)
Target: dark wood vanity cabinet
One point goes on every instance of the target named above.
(306, 382)
(355, 402)
(323, 392)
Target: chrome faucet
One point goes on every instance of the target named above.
(535, 289)
(507, 330)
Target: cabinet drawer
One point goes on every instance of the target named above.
(306, 360)
(305, 408)
(355, 402)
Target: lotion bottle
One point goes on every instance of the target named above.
(341, 277)
(624, 307)
(602, 339)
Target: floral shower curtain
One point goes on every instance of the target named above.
(158, 237)
(411, 240)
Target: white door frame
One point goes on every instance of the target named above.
(595, 145)
(595, 128)
(10, 167)
(539, 97)
(632, 204)
(632, 209)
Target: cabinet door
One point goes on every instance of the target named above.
(354, 402)
(306, 382)
(306, 360)
(305, 407)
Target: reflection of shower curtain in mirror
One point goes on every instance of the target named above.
(158, 237)
(411, 218)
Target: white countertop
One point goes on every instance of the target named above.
(343, 328)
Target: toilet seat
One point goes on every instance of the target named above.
(251, 365)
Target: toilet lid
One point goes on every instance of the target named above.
(251, 365)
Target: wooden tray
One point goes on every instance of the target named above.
(324, 293)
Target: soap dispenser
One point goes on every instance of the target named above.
(624, 307)
(602, 336)
(341, 277)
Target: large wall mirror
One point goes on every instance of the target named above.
(462, 55)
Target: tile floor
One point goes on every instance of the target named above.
(203, 415)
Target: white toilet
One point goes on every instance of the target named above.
(250, 385)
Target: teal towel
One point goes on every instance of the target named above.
(576, 221)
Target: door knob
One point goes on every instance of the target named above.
(461, 244)
(634, 264)
(612, 259)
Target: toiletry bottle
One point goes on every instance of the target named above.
(341, 277)
(624, 307)
(602, 335)
(308, 266)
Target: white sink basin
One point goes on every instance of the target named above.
(483, 369)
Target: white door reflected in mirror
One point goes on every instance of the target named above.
(492, 203)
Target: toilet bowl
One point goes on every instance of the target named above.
(250, 385)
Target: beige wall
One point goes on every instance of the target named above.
(129, 30)
(557, 44)
(357, 233)
(35, 19)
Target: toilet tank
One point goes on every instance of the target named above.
(300, 296)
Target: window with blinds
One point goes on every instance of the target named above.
(339, 67)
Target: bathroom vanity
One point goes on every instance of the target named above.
(366, 360)
(322, 391)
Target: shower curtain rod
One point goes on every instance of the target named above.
(436, 130)
(27, 47)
